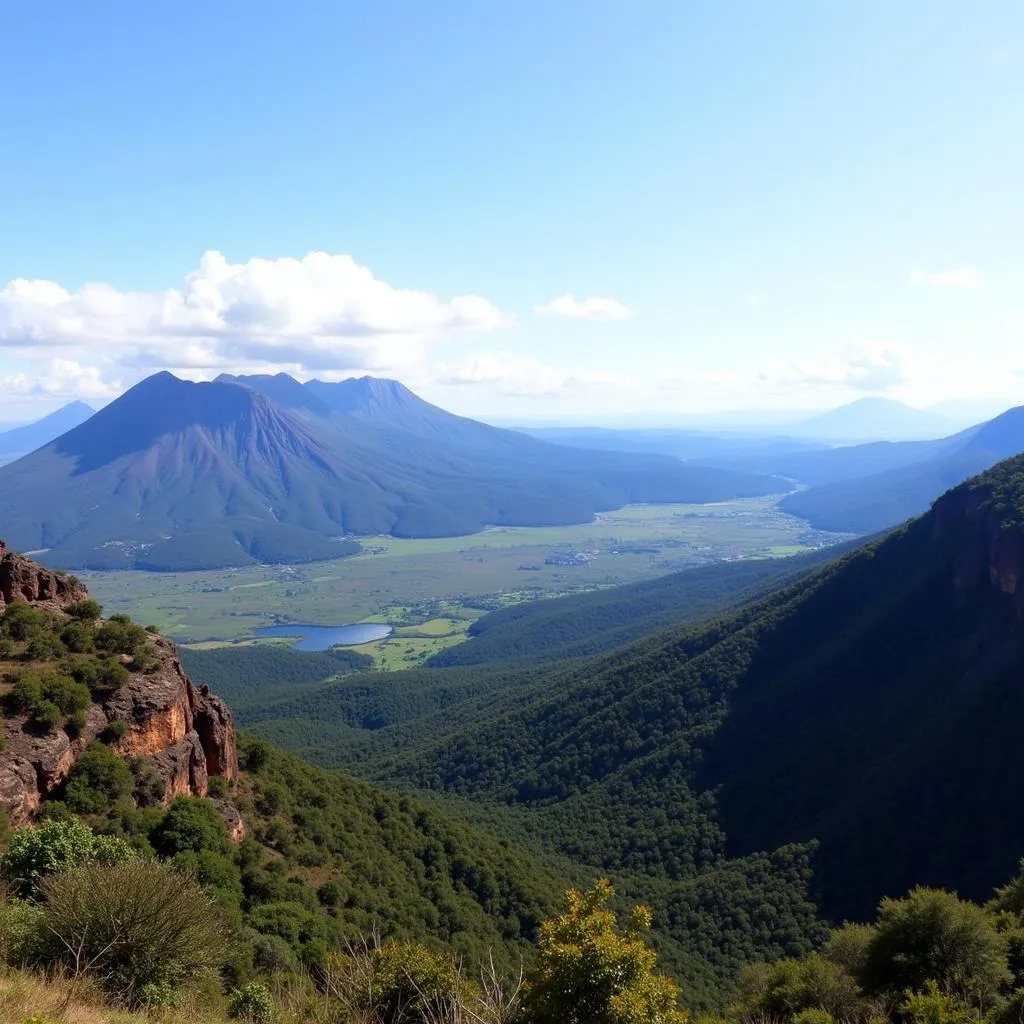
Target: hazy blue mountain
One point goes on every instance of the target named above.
(178, 475)
(684, 444)
(875, 419)
(31, 436)
(865, 504)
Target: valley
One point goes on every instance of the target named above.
(447, 583)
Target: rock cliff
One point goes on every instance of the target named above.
(24, 580)
(178, 734)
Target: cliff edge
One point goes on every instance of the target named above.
(69, 677)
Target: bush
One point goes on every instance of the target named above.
(191, 823)
(43, 646)
(589, 970)
(413, 982)
(54, 846)
(252, 1004)
(98, 779)
(24, 695)
(934, 1007)
(120, 635)
(69, 695)
(101, 675)
(20, 619)
(133, 925)
(74, 725)
(116, 730)
(79, 637)
(47, 716)
(85, 610)
(256, 756)
(935, 936)
(22, 933)
(789, 987)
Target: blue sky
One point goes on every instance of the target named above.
(530, 209)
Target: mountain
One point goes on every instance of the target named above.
(33, 435)
(872, 502)
(685, 444)
(178, 475)
(869, 419)
(868, 709)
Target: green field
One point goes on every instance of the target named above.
(416, 583)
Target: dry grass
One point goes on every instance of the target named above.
(24, 995)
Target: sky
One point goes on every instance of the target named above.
(536, 210)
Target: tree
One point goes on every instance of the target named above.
(933, 935)
(98, 779)
(589, 971)
(190, 824)
(52, 847)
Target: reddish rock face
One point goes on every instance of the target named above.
(184, 732)
(24, 580)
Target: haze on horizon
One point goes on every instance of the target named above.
(588, 212)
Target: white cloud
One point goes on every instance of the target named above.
(511, 375)
(963, 277)
(318, 312)
(864, 366)
(594, 308)
(60, 378)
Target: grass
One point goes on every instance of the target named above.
(24, 995)
(401, 581)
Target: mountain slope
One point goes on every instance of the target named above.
(874, 502)
(854, 708)
(31, 436)
(177, 475)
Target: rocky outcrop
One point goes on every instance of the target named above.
(986, 552)
(184, 732)
(21, 579)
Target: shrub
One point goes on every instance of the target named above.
(116, 730)
(43, 646)
(191, 823)
(256, 756)
(101, 675)
(22, 933)
(589, 970)
(934, 936)
(19, 619)
(120, 635)
(47, 716)
(252, 1004)
(158, 993)
(6, 647)
(78, 637)
(133, 925)
(54, 846)
(75, 723)
(24, 695)
(85, 610)
(413, 982)
(934, 1007)
(789, 987)
(98, 779)
(69, 695)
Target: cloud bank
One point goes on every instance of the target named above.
(319, 312)
(594, 308)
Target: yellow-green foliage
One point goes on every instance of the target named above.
(591, 971)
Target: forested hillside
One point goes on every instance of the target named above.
(850, 708)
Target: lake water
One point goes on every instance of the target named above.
(320, 638)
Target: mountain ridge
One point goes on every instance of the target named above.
(178, 475)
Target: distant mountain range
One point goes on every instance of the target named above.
(917, 473)
(30, 436)
(180, 475)
(874, 419)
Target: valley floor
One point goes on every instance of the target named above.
(432, 589)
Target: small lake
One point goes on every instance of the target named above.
(321, 638)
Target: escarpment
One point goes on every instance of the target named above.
(54, 657)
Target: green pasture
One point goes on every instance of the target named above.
(434, 587)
